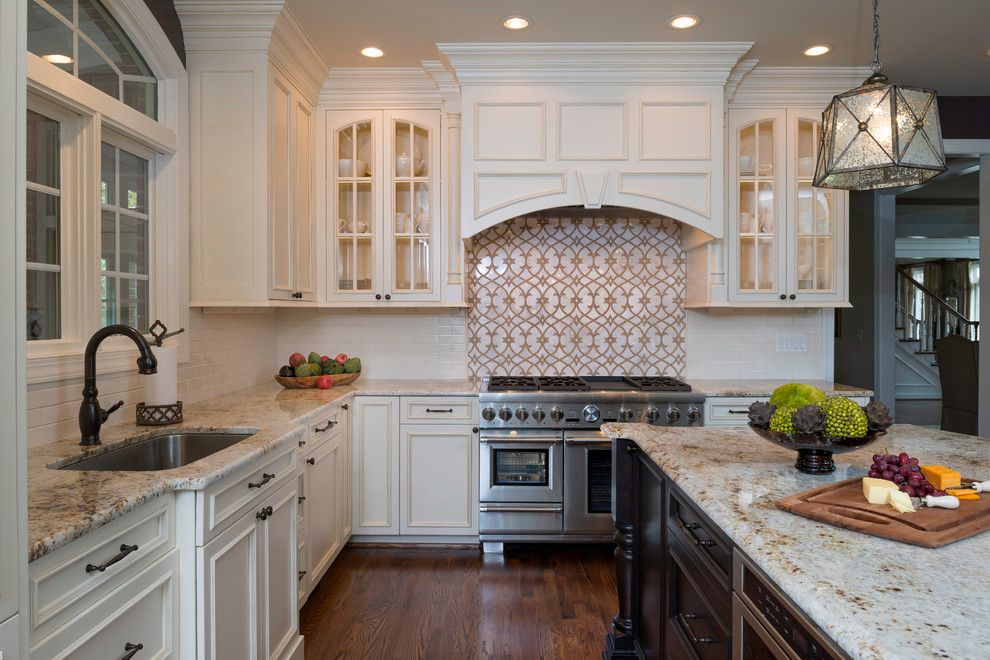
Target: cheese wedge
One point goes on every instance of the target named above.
(941, 477)
(877, 491)
(901, 502)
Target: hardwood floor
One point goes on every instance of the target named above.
(535, 601)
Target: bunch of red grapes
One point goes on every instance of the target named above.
(904, 471)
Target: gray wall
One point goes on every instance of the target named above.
(854, 347)
(984, 400)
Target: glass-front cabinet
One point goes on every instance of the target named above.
(786, 238)
(384, 205)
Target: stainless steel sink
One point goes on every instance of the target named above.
(160, 452)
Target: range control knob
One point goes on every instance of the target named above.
(625, 414)
(591, 414)
(522, 414)
(539, 414)
(694, 414)
(652, 415)
(673, 414)
(488, 414)
(556, 414)
(505, 414)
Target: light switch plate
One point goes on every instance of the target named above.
(792, 343)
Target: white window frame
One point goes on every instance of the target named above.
(165, 141)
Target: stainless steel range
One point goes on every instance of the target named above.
(546, 467)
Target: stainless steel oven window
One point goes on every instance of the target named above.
(521, 467)
(599, 481)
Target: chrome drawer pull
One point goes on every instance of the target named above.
(131, 650)
(267, 477)
(437, 410)
(690, 633)
(124, 551)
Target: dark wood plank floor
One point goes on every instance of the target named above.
(536, 601)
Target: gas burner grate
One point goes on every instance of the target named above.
(658, 384)
(502, 383)
(563, 384)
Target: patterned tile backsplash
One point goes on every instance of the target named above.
(586, 295)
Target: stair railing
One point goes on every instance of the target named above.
(924, 316)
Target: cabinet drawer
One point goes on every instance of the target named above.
(714, 551)
(321, 429)
(729, 411)
(221, 503)
(701, 627)
(67, 581)
(438, 410)
(142, 611)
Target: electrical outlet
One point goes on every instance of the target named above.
(792, 343)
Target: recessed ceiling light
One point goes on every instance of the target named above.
(683, 22)
(515, 22)
(371, 51)
(57, 58)
(815, 51)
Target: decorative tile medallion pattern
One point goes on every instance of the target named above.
(584, 296)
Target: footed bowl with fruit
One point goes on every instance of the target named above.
(801, 418)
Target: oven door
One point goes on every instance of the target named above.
(750, 639)
(587, 483)
(521, 466)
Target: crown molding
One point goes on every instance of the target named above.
(794, 85)
(219, 26)
(740, 71)
(446, 82)
(379, 87)
(604, 63)
(296, 55)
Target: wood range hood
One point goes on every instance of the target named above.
(635, 125)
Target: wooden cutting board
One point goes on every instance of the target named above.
(842, 504)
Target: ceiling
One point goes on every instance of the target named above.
(931, 43)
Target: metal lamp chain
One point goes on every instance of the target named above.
(875, 66)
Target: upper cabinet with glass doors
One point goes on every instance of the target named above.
(786, 239)
(383, 205)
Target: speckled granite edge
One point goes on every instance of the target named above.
(64, 505)
(758, 388)
(876, 598)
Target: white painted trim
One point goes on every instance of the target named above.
(791, 86)
(705, 104)
(541, 143)
(561, 156)
(478, 176)
(595, 63)
(295, 54)
(386, 88)
(705, 174)
(907, 247)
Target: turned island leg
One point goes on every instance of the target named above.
(620, 641)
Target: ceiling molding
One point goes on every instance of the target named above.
(228, 25)
(295, 53)
(740, 71)
(596, 63)
(379, 87)
(446, 82)
(795, 85)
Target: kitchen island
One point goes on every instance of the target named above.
(870, 597)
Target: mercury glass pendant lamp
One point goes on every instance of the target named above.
(879, 135)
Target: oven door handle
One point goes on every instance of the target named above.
(520, 439)
(501, 508)
(588, 440)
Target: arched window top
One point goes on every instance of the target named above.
(82, 37)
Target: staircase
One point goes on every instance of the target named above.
(922, 317)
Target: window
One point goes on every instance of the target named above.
(44, 203)
(82, 38)
(974, 290)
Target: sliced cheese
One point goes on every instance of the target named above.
(962, 491)
(877, 491)
(901, 501)
(941, 477)
(966, 496)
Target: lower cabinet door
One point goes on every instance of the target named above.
(137, 620)
(439, 479)
(375, 432)
(228, 600)
(323, 500)
(280, 614)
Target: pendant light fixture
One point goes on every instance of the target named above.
(879, 135)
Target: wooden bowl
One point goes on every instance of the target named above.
(306, 382)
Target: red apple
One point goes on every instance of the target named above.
(325, 358)
(324, 382)
(341, 358)
(296, 359)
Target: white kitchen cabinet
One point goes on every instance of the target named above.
(375, 472)
(383, 205)
(439, 479)
(291, 183)
(786, 240)
(246, 583)
(323, 471)
(734, 410)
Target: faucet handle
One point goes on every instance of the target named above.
(105, 414)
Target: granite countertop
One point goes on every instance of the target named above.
(65, 504)
(741, 388)
(876, 598)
